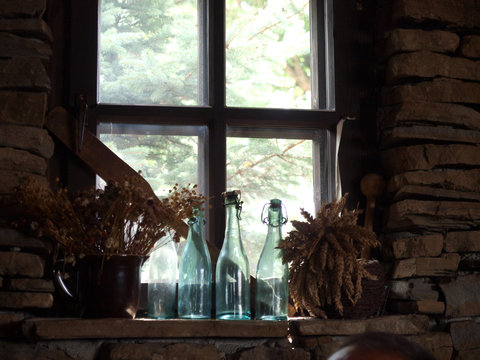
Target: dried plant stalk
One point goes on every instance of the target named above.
(323, 253)
(120, 219)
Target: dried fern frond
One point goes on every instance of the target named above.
(323, 255)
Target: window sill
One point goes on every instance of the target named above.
(75, 328)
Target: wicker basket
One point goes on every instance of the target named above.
(373, 296)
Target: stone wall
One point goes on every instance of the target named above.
(25, 148)
(429, 126)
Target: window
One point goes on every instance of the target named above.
(226, 94)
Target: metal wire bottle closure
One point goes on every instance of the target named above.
(264, 219)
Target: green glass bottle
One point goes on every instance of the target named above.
(271, 302)
(195, 275)
(232, 273)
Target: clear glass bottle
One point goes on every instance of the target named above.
(195, 275)
(271, 301)
(162, 281)
(232, 273)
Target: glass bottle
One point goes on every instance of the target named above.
(162, 280)
(271, 302)
(195, 275)
(232, 273)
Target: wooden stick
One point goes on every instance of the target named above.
(372, 185)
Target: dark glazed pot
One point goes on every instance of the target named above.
(108, 286)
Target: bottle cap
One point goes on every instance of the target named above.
(231, 196)
(275, 203)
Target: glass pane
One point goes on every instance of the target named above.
(268, 53)
(148, 52)
(164, 160)
(264, 169)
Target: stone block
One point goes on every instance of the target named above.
(263, 352)
(33, 28)
(469, 262)
(428, 245)
(437, 90)
(453, 13)
(404, 135)
(407, 40)
(11, 238)
(435, 216)
(20, 160)
(438, 343)
(431, 193)
(159, 351)
(396, 324)
(462, 241)
(450, 179)
(32, 139)
(17, 46)
(30, 285)
(465, 335)
(410, 113)
(23, 73)
(10, 324)
(21, 264)
(427, 266)
(468, 355)
(426, 64)
(462, 296)
(430, 307)
(23, 108)
(324, 351)
(22, 351)
(312, 341)
(413, 289)
(9, 180)
(429, 156)
(24, 8)
(25, 300)
(470, 46)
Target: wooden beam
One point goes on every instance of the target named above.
(98, 157)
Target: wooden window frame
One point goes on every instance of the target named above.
(334, 87)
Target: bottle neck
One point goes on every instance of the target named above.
(232, 228)
(275, 219)
(195, 228)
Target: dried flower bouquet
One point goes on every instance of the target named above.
(323, 253)
(122, 218)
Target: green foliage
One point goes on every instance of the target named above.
(149, 52)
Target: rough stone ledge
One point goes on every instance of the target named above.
(36, 28)
(401, 40)
(428, 113)
(24, 8)
(426, 64)
(438, 90)
(12, 238)
(397, 324)
(55, 329)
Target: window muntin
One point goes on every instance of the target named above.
(267, 47)
(148, 52)
(165, 155)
